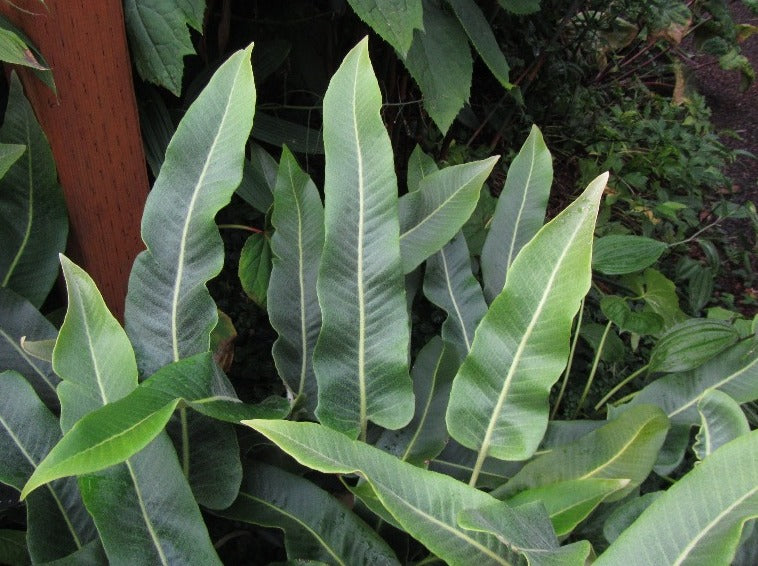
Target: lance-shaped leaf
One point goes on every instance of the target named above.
(258, 178)
(426, 434)
(499, 402)
(361, 367)
(33, 221)
(734, 371)
(92, 354)
(18, 319)
(58, 523)
(439, 60)
(480, 34)
(617, 254)
(699, 519)
(254, 269)
(94, 358)
(426, 504)
(625, 448)
(721, 419)
(169, 312)
(529, 530)
(316, 525)
(393, 20)
(690, 343)
(116, 431)
(450, 284)
(431, 215)
(520, 211)
(293, 309)
(159, 38)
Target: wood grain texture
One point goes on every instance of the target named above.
(93, 128)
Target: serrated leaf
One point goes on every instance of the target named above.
(254, 268)
(21, 319)
(33, 220)
(449, 284)
(699, 519)
(519, 213)
(159, 38)
(625, 448)
(393, 20)
(58, 523)
(499, 402)
(271, 497)
(690, 343)
(297, 242)
(424, 503)
(439, 60)
(618, 254)
(433, 214)
(721, 420)
(426, 434)
(169, 312)
(482, 38)
(362, 372)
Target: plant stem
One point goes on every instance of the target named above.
(481, 457)
(595, 363)
(185, 442)
(241, 227)
(613, 391)
(570, 360)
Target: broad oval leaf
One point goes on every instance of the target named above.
(316, 525)
(618, 254)
(721, 420)
(439, 60)
(433, 214)
(642, 322)
(690, 343)
(361, 369)
(58, 522)
(33, 220)
(499, 402)
(699, 519)
(293, 309)
(254, 268)
(519, 213)
(426, 504)
(169, 312)
(393, 20)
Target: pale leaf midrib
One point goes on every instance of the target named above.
(188, 220)
(458, 314)
(517, 223)
(435, 211)
(618, 454)
(145, 515)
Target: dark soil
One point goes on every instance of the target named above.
(735, 115)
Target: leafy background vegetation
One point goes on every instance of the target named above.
(423, 368)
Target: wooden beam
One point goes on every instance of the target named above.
(93, 128)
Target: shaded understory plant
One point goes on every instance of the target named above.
(125, 444)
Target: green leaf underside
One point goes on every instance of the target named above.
(440, 62)
(271, 497)
(58, 521)
(33, 221)
(22, 49)
(618, 254)
(20, 318)
(159, 38)
(393, 20)
(298, 220)
(690, 343)
(361, 367)
(169, 312)
(734, 371)
(426, 504)
(450, 284)
(433, 214)
(721, 420)
(699, 519)
(480, 34)
(625, 448)
(499, 402)
(119, 430)
(520, 211)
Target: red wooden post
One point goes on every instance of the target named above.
(93, 128)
